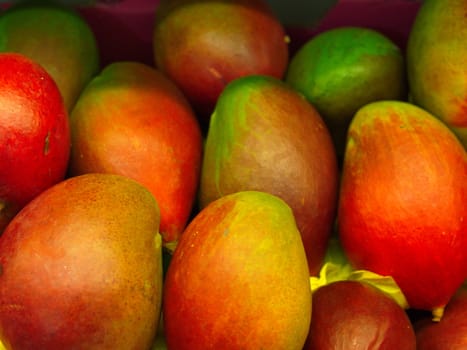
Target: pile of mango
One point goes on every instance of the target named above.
(233, 194)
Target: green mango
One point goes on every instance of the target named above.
(342, 69)
(436, 69)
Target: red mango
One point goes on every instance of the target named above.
(34, 133)
(203, 45)
(403, 201)
(133, 121)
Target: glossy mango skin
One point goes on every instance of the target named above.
(81, 267)
(403, 201)
(436, 69)
(133, 121)
(265, 136)
(56, 37)
(34, 133)
(356, 315)
(203, 45)
(238, 278)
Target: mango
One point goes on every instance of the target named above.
(265, 136)
(436, 69)
(342, 69)
(56, 37)
(356, 315)
(34, 133)
(81, 267)
(402, 207)
(133, 121)
(238, 278)
(203, 45)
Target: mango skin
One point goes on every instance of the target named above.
(133, 121)
(342, 69)
(403, 201)
(436, 56)
(356, 315)
(238, 278)
(34, 133)
(203, 45)
(265, 136)
(451, 331)
(81, 268)
(57, 38)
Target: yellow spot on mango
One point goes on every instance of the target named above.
(47, 143)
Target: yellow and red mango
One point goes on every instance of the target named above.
(81, 267)
(403, 201)
(133, 121)
(436, 56)
(238, 278)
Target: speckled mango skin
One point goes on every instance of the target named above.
(238, 278)
(403, 201)
(57, 38)
(34, 133)
(436, 69)
(133, 121)
(81, 268)
(265, 136)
